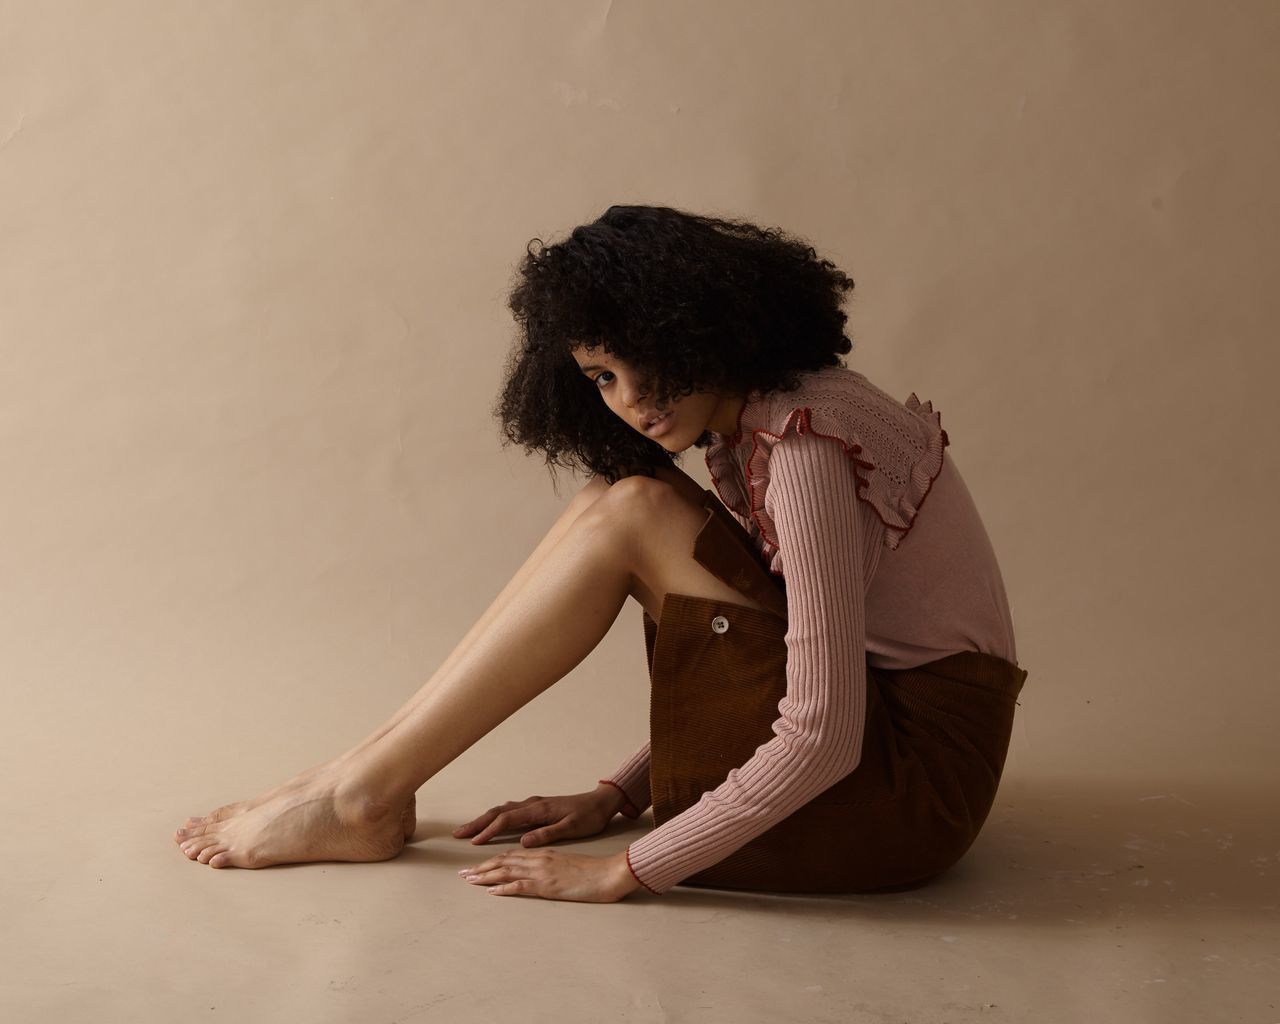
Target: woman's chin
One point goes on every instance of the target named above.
(668, 441)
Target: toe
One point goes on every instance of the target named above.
(221, 859)
(198, 844)
(208, 852)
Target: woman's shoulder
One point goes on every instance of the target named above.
(842, 403)
(841, 394)
(894, 448)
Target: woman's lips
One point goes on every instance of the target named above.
(661, 427)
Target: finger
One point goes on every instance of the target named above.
(488, 816)
(548, 834)
(494, 812)
(493, 862)
(495, 827)
(487, 876)
(512, 862)
(475, 823)
(539, 838)
(488, 865)
(516, 856)
(505, 876)
(512, 821)
(501, 873)
(519, 887)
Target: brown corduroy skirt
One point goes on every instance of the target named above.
(934, 742)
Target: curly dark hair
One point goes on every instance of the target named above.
(690, 302)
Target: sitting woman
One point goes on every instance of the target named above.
(831, 657)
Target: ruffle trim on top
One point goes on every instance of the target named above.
(896, 503)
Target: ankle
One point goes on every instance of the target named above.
(368, 791)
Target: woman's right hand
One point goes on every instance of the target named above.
(548, 819)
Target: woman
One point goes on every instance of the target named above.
(833, 670)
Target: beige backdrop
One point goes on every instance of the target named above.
(253, 264)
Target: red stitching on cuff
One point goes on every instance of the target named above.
(637, 877)
(629, 808)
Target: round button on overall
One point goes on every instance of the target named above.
(720, 624)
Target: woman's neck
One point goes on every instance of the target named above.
(727, 415)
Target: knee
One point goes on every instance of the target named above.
(601, 504)
(632, 500)
(588, 495)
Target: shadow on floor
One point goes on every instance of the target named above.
(1056, 853)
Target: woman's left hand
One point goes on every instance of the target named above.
(553, 875)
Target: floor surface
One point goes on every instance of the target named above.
(1079, 902)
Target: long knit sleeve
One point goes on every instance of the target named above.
(812, 499)
(632, 777)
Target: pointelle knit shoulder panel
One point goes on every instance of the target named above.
(895, 448)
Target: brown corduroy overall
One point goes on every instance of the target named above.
(934, 741)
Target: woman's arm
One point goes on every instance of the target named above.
(812, 499)
(632, 780)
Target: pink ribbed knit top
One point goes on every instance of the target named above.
(830, 481)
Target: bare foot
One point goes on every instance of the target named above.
(299, 781)
(409, 815)
(323, 820)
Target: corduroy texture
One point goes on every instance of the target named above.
(934, 740)
(818, 729)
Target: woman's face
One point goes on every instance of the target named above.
(627, 396)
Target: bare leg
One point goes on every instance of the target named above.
(580, 503)
(635, 539)
(682, 483)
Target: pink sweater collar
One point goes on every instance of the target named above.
(753, 415)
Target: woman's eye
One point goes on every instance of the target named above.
(606, 373)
